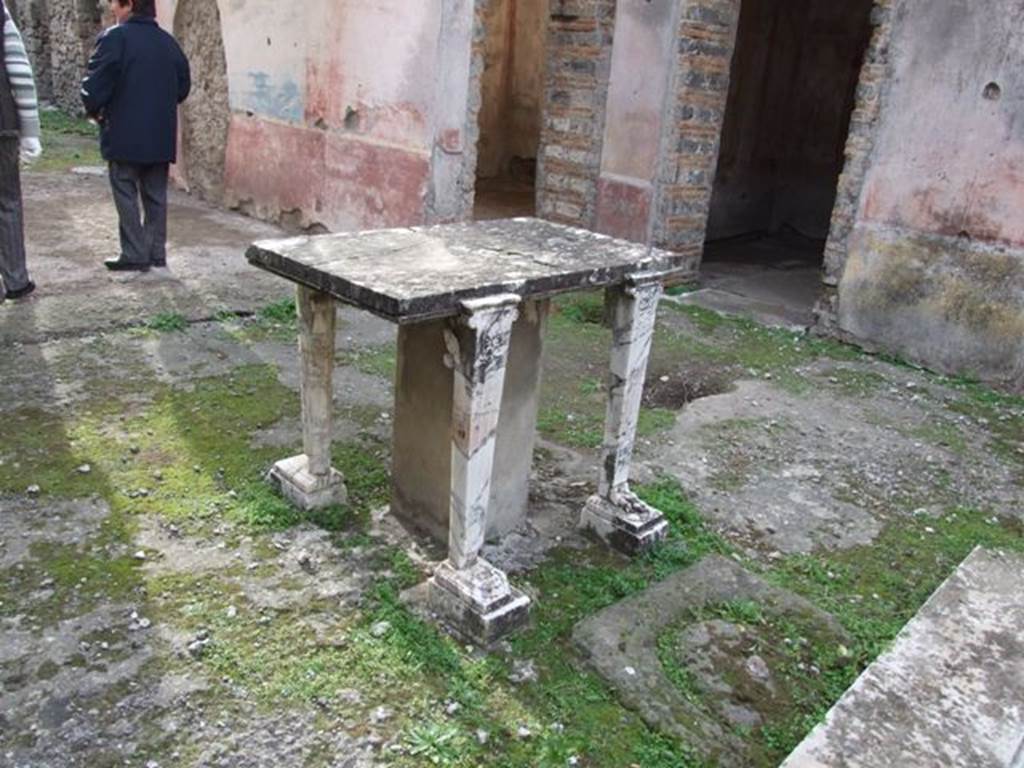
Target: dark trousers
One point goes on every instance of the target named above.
(12, 224)
(143, 236)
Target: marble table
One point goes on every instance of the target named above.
(471, 300)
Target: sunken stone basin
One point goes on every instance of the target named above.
(716, 657)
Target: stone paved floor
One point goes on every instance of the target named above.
(159, 607)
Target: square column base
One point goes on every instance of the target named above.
(307, 491)
(477, 603)
(626, 524)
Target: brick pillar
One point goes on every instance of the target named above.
(860, 140)
(706, 37)
(629, 148)
(575, 95)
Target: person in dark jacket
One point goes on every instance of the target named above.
(137, 76)
(19, 141)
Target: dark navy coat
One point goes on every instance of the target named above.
(137, 76)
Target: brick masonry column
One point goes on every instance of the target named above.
(696, 113)
(875, 73)
(575, 94)
(634, 116)
(860, 140)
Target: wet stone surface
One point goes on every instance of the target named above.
(425, 272)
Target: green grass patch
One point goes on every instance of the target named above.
(58, 122)
(283, 312)
(747, 347)
(378, 361)
(940, 432)
(581, 308)
(584, 430)
(167, 322)
(810, 669)
(276, 321)
(857, 382)
(1002, 416)
(574, 585)
(67, 142)
(187, 456)
(573, 392)
(682, 289)
(874, 591)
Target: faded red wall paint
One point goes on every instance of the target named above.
(342, 182)
(330, 103)
(275, 165)
(371, 185)
(623, 210)
(984, 209)
(325, 74)
(948, 157)
(323, 78)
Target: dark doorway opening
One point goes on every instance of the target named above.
(512, 91)
(792, 91)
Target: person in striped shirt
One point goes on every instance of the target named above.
(19, 142)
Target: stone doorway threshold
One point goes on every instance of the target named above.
(504, 197)
(773, 279)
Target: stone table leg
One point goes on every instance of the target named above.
(308, 480)
(615, 513)
(466, 591)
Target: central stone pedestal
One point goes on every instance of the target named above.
(477, 602)
(421, 454)
(304, 489)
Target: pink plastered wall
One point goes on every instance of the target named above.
(642, 60)
(949, 156)
(332, 108)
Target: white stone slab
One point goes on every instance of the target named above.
(950, 692)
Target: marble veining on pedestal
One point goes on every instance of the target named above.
(308, 480)
(458, 290)
(615, 513)
(469, 594)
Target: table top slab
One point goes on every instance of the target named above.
(420, 273)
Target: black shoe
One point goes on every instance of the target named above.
(22, 292)
(120, 265)
(159, 263)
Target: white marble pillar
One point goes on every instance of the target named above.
(308, 480)
(616, 513)
(470, 594)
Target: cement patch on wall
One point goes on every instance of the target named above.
(206, 115)
(949, 303)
